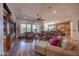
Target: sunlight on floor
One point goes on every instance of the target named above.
(22, 44)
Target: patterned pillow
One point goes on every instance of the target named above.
(66, 44)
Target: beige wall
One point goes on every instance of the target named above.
(74, 29)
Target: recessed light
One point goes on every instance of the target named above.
(55, 12)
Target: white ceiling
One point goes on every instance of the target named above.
(30, 10)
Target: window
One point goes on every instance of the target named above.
(23, 28)
(38, 28)
(35, 28)
(28, 27)
(51, 27)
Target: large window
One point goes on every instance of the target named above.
(23, 28)
(28, 27)
(35, 28)
(50, 27)
(38, 28)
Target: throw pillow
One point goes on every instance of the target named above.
(66, 44)
(54, 41)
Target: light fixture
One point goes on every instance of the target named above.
(54, 12)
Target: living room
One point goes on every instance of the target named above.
(50, 29)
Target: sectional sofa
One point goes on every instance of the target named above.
(44, 48)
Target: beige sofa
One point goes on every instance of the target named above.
(44, 48)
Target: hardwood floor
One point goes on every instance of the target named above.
(23, 48)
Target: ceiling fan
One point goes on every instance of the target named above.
(39, 18)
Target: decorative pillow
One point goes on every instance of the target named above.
(63, 43)
(54, 41)
(66, 44)
(60, 40)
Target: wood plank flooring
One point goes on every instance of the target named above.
(23, 48)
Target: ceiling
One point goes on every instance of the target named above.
(48, 11)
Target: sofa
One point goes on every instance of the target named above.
(44, 48)
(29, 35)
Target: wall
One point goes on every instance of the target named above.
(74, 29)
(1, 30)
